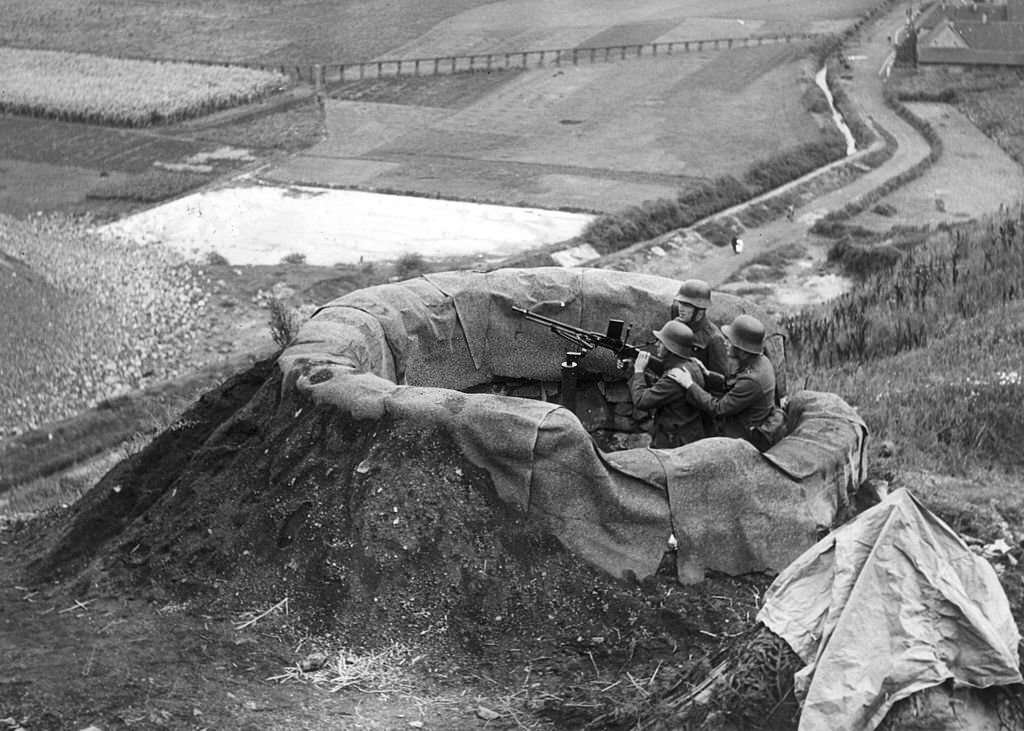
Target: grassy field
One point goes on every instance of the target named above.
(555, 137)
(306, 31)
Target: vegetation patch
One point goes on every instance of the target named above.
(928, 346)
(996, 110)
(86, 88)
(151, 186)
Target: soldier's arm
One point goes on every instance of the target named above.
(743, 393)
(664, 391)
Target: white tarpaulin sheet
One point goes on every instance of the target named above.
(887, 605)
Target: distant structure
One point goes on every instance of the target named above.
(971, 34)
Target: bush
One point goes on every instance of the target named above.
(294, 258)
(791, 164)
(284, 322)
(861, 261)
(410, 265)
(216, 259)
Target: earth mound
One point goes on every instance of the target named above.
(486, 531)
(379, 534)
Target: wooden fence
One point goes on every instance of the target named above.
(320, 74)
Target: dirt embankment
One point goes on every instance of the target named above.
(377, 534)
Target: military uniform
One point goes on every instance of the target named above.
(747, 409)
(711, 347)
(675, 420)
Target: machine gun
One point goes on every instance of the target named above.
(586, 340)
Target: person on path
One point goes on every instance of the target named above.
(674, 421)
(747, 409)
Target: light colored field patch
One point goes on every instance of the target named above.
(263, 224)
(973, 177)
(602, 194)
(700, 28)
(674, 127)
(93, 88)
(450, 39)
(336, 171)
(355, 128)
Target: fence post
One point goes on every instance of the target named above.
(640, 50)
(472, 61)
(488, 62)
(542, 53)
(654, 49)
(524, 60)
(593, 52)
(416, 68)
(607, 50)
(453, 64)
(622, 49)
(437, 62)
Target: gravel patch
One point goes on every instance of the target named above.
(88, 318)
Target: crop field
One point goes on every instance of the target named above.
(127, 93)
(592, 137)
(307, 31)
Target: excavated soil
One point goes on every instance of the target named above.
(379, 534)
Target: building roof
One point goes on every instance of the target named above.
(992, 36)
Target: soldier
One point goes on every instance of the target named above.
(690, 308)
(675, 421)
(747, 409)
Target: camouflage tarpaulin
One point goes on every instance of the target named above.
(890, 604)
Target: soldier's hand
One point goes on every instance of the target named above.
(642, 359)
(680, 376)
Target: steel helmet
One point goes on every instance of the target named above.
(677, 338)
(695, 292)
(746, 333)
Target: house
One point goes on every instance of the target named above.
(972, 34)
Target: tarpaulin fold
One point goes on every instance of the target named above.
(409, 349)
(887, 605)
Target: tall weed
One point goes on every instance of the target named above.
(930, 349)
